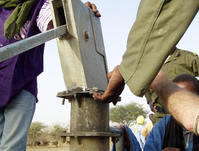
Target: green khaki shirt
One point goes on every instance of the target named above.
(159, 26)
(180, 62)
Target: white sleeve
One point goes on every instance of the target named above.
(44, 17)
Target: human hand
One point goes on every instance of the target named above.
(114, 89)
(89, 5)
(171, 149)
(93, 8)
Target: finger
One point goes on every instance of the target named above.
(94, 8)
(88, 4)
(102, 98)
(97, 14)
(98, 97)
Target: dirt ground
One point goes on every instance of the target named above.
(65, 148)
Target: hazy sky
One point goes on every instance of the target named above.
(117, 19)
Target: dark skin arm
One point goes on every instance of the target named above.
(174, 97)
(114, 89)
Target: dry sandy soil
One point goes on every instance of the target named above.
(65, 148)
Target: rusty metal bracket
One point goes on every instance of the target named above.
(81, 92)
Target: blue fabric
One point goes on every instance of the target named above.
(190, 148)
(15, 120)
(114, 147)
(155, 139)
(134, 145)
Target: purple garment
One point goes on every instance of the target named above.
(21, 71)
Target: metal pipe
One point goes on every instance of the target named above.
(31, 42)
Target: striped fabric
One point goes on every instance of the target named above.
(44, 17)
(42, 20)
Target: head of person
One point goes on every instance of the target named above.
(188, 82)
(140, 120)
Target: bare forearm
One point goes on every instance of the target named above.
(183, 105)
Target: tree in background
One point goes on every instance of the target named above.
(127, 114)
(40, 134)
(57, 130)
(35, 133)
